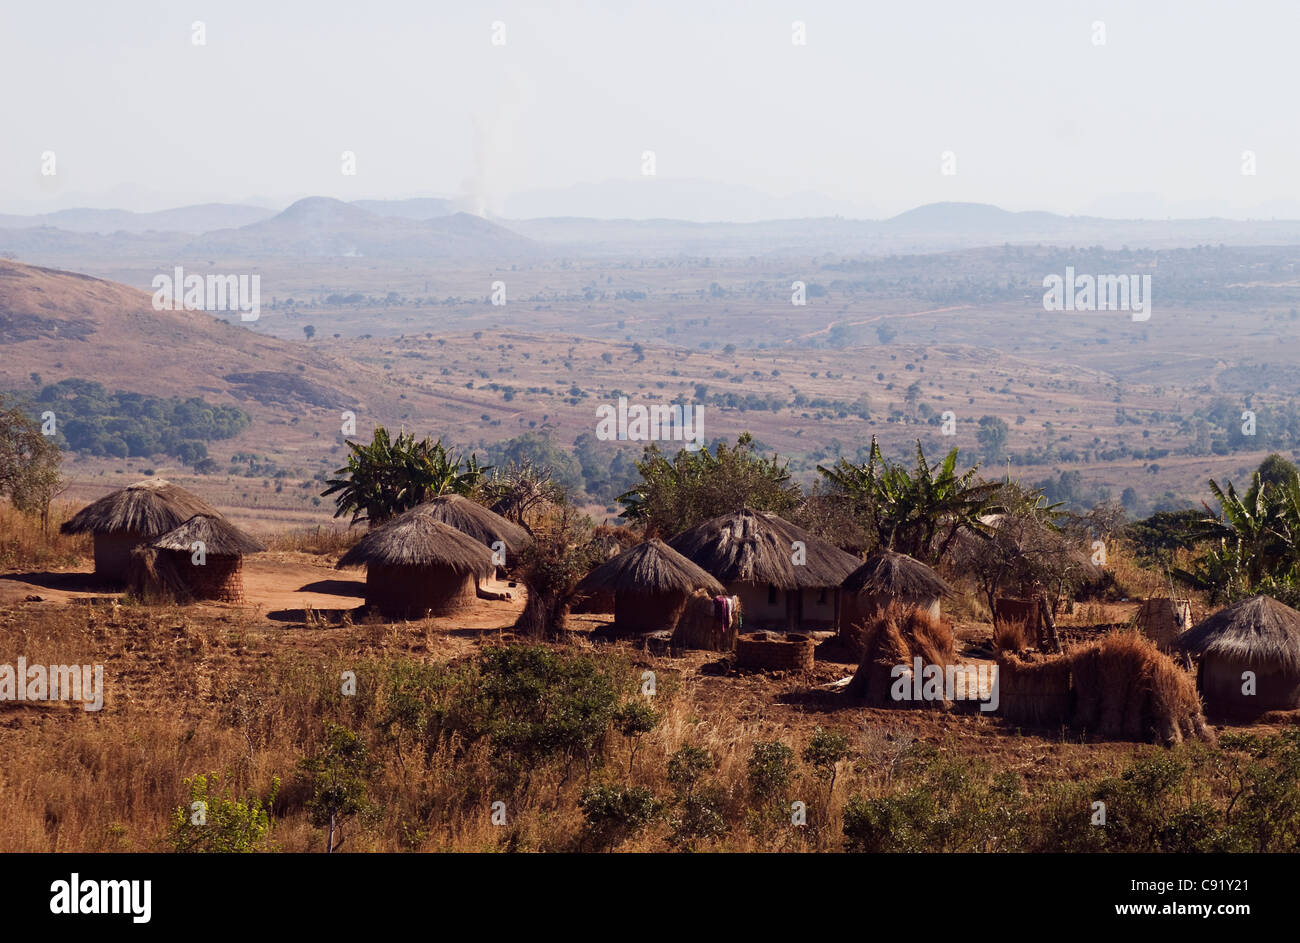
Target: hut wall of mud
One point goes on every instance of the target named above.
(411, 592)
(646, 612)
(113, 554)
(1220, 680)
(817, 609)
(759, 613)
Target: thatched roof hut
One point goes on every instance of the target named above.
(200, 559)
(131, 517)
(887, 576)
(1259, 635)
(470, 517)
(650, 583)
(754, 553)
(417, 565)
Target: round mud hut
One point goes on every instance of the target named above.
(1259, 635)
(889, 577)
(201, 559)
(131, 517)
(651, 584)
(485, 526)
(417, 566)
(787, 578)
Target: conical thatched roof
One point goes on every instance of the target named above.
(651, 567)
(473, 519)
(415, 538)
(756, 547)
(220, 537)
(896, 574)
(1259, 629)
(149, 508)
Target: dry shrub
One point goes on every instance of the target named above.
(897, 636)
(1010, 636)
(1126, 687)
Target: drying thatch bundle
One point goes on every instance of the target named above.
(153, 577)
(699, 626)
(131, 517)
(885, 577)
(206, 553)
(1258, 635)
(897, 636)
(754, 554)
(1126, 687)
(417, 565)
(470, 517)
(651, 583)
(1163, 619)
(1033, 690)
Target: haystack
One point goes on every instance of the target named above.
(1259, 635)
(1120, 687)
(754, 553)
(469, 517)
(886, 577)
(699, 626)
(1033, 690)
(206, 553)
(1126, 687)
(897, 636)
(131, 517)
(651, 583)
(417, 565)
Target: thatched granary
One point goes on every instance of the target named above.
(887, 577)
(201, 559)
(1259, 635)
(753, 554)
(651, 584)
(417, 566)
(132, 517)
(469, 517)
(1163, 619)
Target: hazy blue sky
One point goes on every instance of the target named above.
(1152, 123)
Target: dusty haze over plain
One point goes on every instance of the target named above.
(1151, 124)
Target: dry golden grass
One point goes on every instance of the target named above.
(23, 542)
(900, 634)
(1125, 686)
(319, 541)
(1010, 636)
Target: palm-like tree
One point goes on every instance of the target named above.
(391, 475)
(1256, 535)
(918, 514)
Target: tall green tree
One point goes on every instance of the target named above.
(29, 463)
(392, 475)
(692, 487)
(919, 513)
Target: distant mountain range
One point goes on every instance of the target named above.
(430, 228)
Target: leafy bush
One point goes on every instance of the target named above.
(217, 822)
